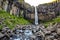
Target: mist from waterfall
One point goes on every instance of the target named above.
(36, 16)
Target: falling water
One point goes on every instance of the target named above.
(36, 16)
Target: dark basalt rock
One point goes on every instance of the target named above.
(4, 36)
(48, 12)
(31, 32)
(1, 35)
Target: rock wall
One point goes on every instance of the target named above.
(45, 11)
(48, 11)
(11, 6)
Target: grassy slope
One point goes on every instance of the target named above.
(53, 21)
(11, 21)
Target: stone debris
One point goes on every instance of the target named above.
(32, 32)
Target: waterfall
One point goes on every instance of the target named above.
(36, 16)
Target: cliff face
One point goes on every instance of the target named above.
(20, 8)
(48, 11)
(16, 7)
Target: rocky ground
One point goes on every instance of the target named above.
(52, 32)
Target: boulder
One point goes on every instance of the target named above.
(55, 39)
(58, 31)
(33, 36)
(47, 32)
(49, 38)
(1, 35)
(52, 27)
(58, 38)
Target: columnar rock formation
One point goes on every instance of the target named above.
(48, 11)
(15, 10)
(18, 8)
(11, 6)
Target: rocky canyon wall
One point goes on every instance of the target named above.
(20, 8)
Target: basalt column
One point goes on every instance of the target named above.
(5, 5)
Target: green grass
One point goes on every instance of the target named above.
(11, 21)
(21, 1)
(53, 21)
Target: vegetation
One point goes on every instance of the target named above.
(53, 21)
(10, 20)
(21, 1)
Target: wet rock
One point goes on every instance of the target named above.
(58, 31)
(1, 35)
(49, 38)
(33, 32)
(58, 38)
(33, 36)
(28, 27)
(33, 29)
(54, 34)
(4, 36)
(58, 25)
(55, 39)
(52, 28)
(47, 32)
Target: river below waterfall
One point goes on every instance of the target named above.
(27, 33)
(22, 35)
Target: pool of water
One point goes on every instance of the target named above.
(25, 36)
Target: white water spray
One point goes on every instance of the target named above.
(36, 16)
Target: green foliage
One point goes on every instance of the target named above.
(11, 21)
(21, 1)
(56, 20)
